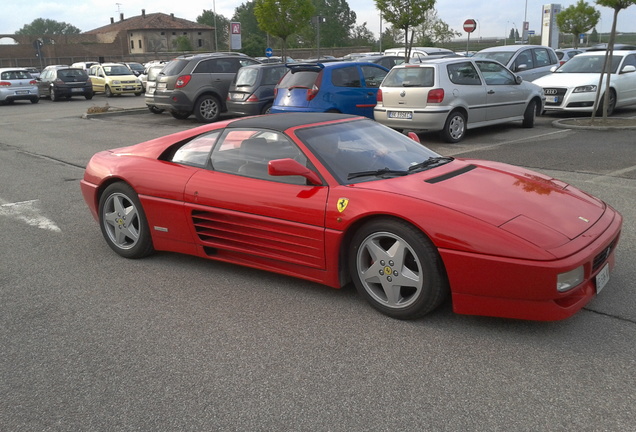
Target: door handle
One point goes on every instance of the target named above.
(491, 92)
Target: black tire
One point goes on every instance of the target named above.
(54, 96)
(207, 109)
(403, 285)
(153, 109)
(35, 100)
(611, 106)
(108, 92)
(137, 94)
(454, 128)
(180, 115)
(266, 109)
(123, 222)
(88, 96)
(530, 115)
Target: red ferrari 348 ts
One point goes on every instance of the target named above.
(333, 198)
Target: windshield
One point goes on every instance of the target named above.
(502, 57)
(117, 70)
(364, 150)
(588, 64)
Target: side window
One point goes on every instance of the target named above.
(205, 66)
(542, 57)
(463, 74)
(524, 61)
(271, 76)
(196, 151)
(495, 74)
(373, 76)
(346, 77)
(248, 152)
(630, 60)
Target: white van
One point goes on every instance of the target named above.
(418, 54)
(84, 65)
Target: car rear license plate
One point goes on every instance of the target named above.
(77, 90)
(408, 115)
(552, 99)
(161, 86)
(602, 278)
(21, 92)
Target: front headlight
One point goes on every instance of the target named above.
(567, 281)
(585, 89)
(116, 82)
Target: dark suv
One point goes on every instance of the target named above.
(198, 84)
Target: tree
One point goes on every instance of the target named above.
(405, 15)
(617, 5)
(253, 39)
(594, 36)
(433, 30)
(339, 22)
(577, 19)
(222, 26)
(182, 43)
(41, 26)
(361, 36)
(282, 18)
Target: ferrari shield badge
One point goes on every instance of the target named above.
(342, 204)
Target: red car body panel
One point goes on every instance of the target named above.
(504, 233)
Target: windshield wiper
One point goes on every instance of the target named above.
(376, 173)
(430, 162)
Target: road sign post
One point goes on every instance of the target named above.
(469, 26)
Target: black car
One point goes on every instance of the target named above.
(388, 61)
(252, 90)
(198, 84)
(57, 82)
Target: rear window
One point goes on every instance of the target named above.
(175, 67)
(71, 74)
(246, 77)
(410, 77)
(304, 79)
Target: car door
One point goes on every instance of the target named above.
(98, 78)
(43, 83)
(625, 82)
(238, 207)
(372, 77)
(505, 98)
(469, 87)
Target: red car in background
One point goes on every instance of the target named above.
(334, 198)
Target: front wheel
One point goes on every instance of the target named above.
(530, 115)
(611, 105)
(108, 92)
(454, 128)
(397, 269)
(207, 109)
(123, 222)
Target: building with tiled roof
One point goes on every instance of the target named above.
(154, 33)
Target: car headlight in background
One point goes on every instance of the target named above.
(585, 89)
(117, 82)
(567, 281)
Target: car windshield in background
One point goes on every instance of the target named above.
(117, 70)
(588, 64)
(410, 77)
(246, 77)
(502, 57)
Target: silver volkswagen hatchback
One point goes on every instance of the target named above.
(17, 84)
(453, 95)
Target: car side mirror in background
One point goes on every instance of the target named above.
(553, 68)
(628, 69)
(288, 167)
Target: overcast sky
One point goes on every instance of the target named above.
(494, 17)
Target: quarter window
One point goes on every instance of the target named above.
(463, 74)
(346, 77)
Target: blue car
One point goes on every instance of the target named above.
(344, 87)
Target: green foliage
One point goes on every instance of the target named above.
(222, 27)
(361, 35)
(253, 39)
(433, 30)
(617, 5)
(283, 18)
(577, 19)
(182, 43)
(405, 15)
(41, 26)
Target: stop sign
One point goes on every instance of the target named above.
(470, 25)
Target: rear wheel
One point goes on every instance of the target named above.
(397, 269)
(180, 115)
(207, 109)
(530, 115)
(266, 109)
(88, 96)
(454, 128)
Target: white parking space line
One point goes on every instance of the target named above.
(485, 147)
(29, 213)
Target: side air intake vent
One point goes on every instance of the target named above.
(451, 174)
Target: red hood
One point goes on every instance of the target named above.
(533, 206)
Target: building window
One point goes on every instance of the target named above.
(199, 33)
(132, 45)
(174, 33)
(200, 43)
(163, 33)
(139, 43)
(185, 33)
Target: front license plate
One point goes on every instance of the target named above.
(129, 88)
(602, 278)
(551, 99)
(408, 115)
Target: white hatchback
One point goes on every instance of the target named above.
(572, 87)
(452, 95)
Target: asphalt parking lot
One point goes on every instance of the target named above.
(91, 341)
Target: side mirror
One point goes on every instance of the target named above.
(288, 167)
(553, 68)
(518, 79)
(628, 69)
